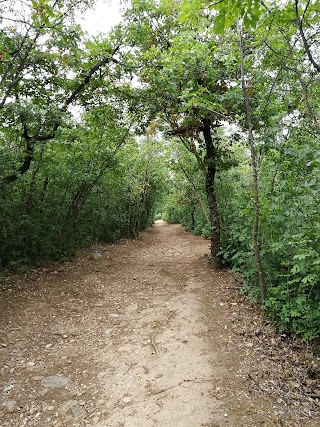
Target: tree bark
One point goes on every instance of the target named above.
(211, 170)
(303, 37)
(255, 231)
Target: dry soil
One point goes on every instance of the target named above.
(145, 335)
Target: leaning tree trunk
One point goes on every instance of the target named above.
(211, 170)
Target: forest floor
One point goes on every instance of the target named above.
(146, 336)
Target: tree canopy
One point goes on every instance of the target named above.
(206, 113)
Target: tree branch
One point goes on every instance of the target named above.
(303, 37)
(31, 141)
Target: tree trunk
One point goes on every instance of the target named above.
(211, 170)
(255, 231)
(193, 221)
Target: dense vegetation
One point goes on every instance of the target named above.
(207, 112)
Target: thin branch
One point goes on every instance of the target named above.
(31, 141)
(303, 37)
(87, 78)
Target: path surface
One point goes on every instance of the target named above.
(143, 337)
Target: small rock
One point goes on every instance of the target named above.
(114, 315)
(44, 392)
(132, 307)
(65, 407)
(48, 346)
(55, 381)
(295, 384)
(96, 256)
(95, 420)
(78, 412)
(50, 408)
(8, 388)
(101, 375)
(127, 399)
(30, 365)
(314, 372)
(37, 378)
(33, 410)
(3, 345)
(11, 406)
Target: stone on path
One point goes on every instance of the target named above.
(101, 374)
(55, 381)
(77, 410)
(11, 406)
(96, 256)
(66, 406)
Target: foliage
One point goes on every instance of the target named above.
(73, 170)
(186, 201)
(82, 189)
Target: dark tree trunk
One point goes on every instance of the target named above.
(193, 221)
(211, 170)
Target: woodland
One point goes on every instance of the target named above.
(197, 112)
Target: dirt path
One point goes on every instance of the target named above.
(147, 336)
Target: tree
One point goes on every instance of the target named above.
(184, 78)
(41, 52)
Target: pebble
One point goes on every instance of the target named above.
(133, 307)
(66, 406)
(55, 381)
(96, 256)
(44, 392)
(78, 412)
(8, 388)
(33, 410)
(101, 375)
(37, 378)
(11, 406)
